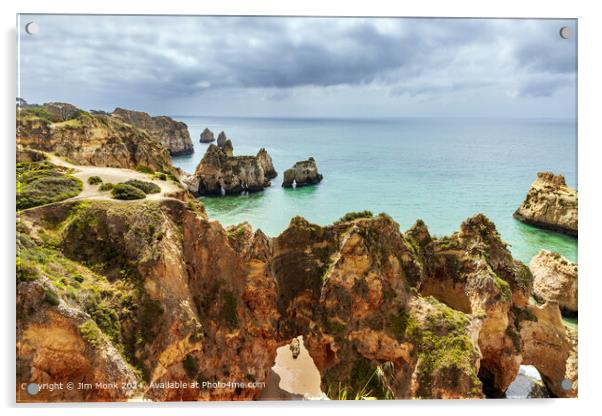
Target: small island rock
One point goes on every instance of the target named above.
(207, 136)
(303, 173)
(550, 204)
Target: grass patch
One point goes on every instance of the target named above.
(445, 351)
(40, 183)
(51, 297)
(127, 192)
(91, 333)
(351, 216)
(145, 169)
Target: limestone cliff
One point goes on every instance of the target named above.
(555, 280)
(220, 172)
(550, 204)
(154, 291)
(173, 135)
(87, 139)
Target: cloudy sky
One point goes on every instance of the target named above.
(301, 67)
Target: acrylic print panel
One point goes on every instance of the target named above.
(277, 208)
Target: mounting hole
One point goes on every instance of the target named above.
(32, 28)
(565, 32)
(566, 384)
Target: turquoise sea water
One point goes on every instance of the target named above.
(442, 170)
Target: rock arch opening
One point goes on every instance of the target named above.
(293, 378)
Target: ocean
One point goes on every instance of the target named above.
(442, 170)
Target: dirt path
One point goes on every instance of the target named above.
(112, 175)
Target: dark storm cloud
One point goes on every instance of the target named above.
(112, 59)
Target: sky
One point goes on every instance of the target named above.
(301, 67)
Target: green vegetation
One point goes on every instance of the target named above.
(91, 333)
(145, 169)
(107, 186)
(40, 183)
(350, 216)
(26, 272)
(366, 382)
(127, 192)
(445, 350)
(94, 180)
(161, 176)
(146, 187)
(51, 297)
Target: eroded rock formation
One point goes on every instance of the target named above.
(303, 173)
(91, 139)
(550, 204)
(220, 172)
(555, 279)
(207, 136)
(172, 134)
(383, 314)
(221, 139)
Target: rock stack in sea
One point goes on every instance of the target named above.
(550, 204)
(303, 173)
(221, 139)
(207, 136)
(555, 279)
(220, 172)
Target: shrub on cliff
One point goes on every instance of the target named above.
(94, 180)
(146, 187)
(127, 192)
(40, 183)
(107, 186)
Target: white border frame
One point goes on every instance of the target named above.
(588, 170)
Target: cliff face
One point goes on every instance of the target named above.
(550, 204)
(93, 140)
(555, 280)
(156, 292)
(173, 135)
(219, 171)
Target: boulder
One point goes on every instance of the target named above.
(550, 204)
(555, 279)
(207, 136)
(172, 134)
(303, 173)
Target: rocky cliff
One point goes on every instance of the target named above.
(221, 172)
(173, 135)
(88, 139)
(303, 173)
(550, 204)
(156, 293)
(555, 280)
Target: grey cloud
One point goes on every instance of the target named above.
(113, 59)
